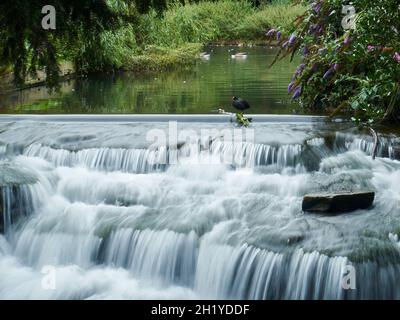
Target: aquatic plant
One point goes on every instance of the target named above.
(242, 121)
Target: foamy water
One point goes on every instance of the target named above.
(113, 217)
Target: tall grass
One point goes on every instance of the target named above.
(106, 51)
(281, 15)
(157, 41)
(207, 22)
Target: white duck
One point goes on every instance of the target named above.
(205, 56)
(239, 55)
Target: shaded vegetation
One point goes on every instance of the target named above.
(27, 47)
(108, 35)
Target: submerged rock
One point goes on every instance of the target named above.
(396, 152)
(15, 203)
(14, 174)
(338, 202)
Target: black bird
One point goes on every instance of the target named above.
(240, 104)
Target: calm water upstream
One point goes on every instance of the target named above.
(202, 89)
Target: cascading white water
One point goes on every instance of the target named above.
(127, 160)
(3, 150)
(6, 195)
(366, 144)
(115, 218)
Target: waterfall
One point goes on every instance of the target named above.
(144, 160)
(250, 155)
(250, 273)
(366, 144)
(3, 150)
(6, 210)
(17, 202)
(162, 255)
(127, 160)
(224, 221)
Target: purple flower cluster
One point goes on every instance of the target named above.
(300, 69)
(290, 87)
(315, 29)
(293, 86)
(270, 32)
(332, 70)
(292, 39)
(297, 92)
(316, 6)
(335, 67)
(346, 41)
(396, 57)
(278, 34)
(372, 47)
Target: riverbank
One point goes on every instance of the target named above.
(177, 36)
(67, 71)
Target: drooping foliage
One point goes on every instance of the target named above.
(26, 46)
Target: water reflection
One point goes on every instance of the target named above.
(207, 86)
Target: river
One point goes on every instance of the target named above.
(116, 216)
(204, 88)
(191, 207)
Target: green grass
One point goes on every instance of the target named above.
(210, 22)
(40, 106)
(253, 27)
(108, 51)
(176, 37)
(156, 42)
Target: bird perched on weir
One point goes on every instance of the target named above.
(240, 104)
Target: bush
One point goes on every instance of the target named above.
(355, 71)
